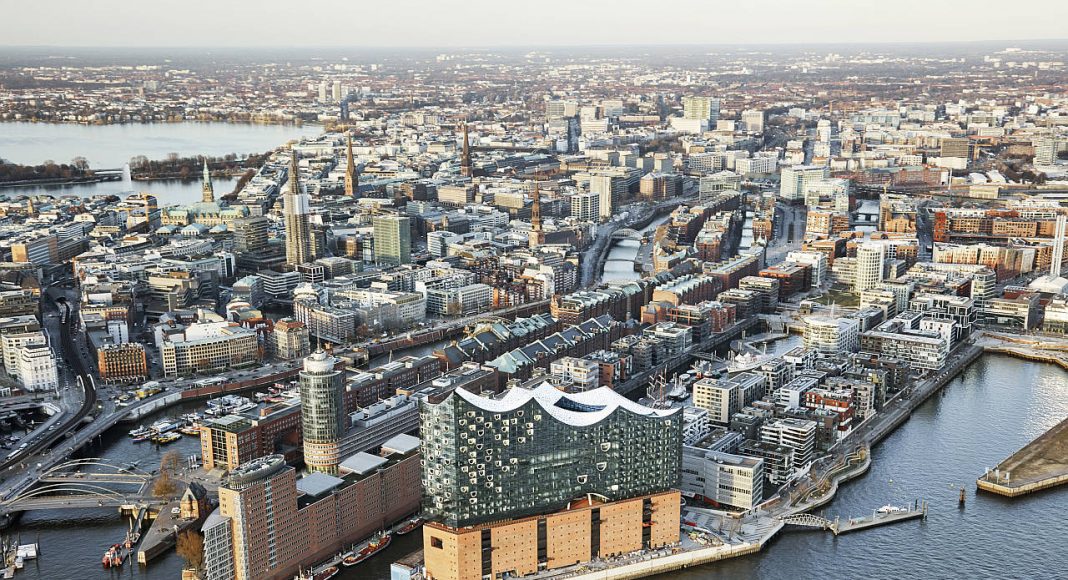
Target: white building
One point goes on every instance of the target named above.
(871, 262)
(797, 434)
(794, 180)
(817, 263)
(727, 479)
(832, 335)
(586, 206)
(36, 368)
(579, 373)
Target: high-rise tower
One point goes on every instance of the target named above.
(352, 179)
(295, 214)
(207, 191)
(322, 412)
(465, 155)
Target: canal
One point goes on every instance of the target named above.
(619, 265)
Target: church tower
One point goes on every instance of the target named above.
(537, 236)
(352, 179)
(465, 155)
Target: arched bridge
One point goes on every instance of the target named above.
(808, 521)
(626, 234)
(79, 483)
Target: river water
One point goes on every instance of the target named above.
(112, 146)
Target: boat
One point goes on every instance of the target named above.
(167, 438)
(27, 551)
(140, 432)
(190, 430)
(110, 556)
(410, 526)
(327, 573)
(377, 544)
(891, 509)
(142, 438)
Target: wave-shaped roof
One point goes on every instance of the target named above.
(575, 409)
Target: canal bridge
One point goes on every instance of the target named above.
(83, 483)
(626, 234)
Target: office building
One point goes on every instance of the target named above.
(700, 108)
(794, 180)
(871, 261)
(209, 347)
(322, 412)
(827, 335)
(723, 479)
(393, 239)
(290, 339)
(270, 525)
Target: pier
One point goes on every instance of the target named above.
(877, 518)
(1041, 464)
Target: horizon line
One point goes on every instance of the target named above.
(538, 46)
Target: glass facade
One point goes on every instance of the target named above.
(322, 412)
(486, 460)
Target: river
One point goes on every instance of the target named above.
(112, 146)
(996, 406)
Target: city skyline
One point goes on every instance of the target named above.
(478, 24)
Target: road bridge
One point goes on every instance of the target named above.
(90, 482)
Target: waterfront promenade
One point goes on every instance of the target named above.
(1041, 464)
(813, 488)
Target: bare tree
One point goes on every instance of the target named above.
(191, 548)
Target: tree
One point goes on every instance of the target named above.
(80, 163)
(164, 486)
(170, 463)
(191, 548)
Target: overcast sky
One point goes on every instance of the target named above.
(466, 23)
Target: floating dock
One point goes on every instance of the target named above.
(879, 519)
(1041, 464)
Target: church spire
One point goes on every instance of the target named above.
(465, 156)
(352, 179)
(207, 190)
(537, 236)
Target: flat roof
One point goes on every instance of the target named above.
(362, 463)
(316, 484)
(401, 443)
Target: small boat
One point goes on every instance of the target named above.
(377, 544)
(142, 438)
(109, 556)
(190, 430)
(167, 438)
(327, 573)
(891, 509)
(410, 526)
(140, 432)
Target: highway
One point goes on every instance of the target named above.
(84, 380)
